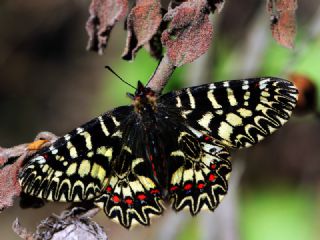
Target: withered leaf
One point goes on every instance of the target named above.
(11, 160)
(10, 164)
(189, 32)
(283, 24)
(104, 14)
(142, 24)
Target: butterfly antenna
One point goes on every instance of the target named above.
(111, 70)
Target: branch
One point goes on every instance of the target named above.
(162, 74)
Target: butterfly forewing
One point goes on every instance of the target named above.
(238, 113)
(75, 167)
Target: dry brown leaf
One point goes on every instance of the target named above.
(283, 23)
(104, 14)
(189, 31)
(11, 160)
(142, 24)
(10, 164)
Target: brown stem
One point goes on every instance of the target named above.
(161, 76)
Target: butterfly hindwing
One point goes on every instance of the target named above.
(199, 170)
(131, 194)
(74, 168)
(238, 113)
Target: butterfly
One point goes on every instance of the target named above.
(172, 148)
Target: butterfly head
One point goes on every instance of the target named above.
(144, 99)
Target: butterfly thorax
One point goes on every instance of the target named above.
(144, 100)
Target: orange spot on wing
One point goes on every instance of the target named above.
(36, 145)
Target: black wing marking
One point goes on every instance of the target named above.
(238, 113)
(75, 167)
(199, 170)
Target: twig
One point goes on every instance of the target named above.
(21, 231)
(162, 74)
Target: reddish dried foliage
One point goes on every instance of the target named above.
(283, 25)
(10, 164)
(11, 160)
(104, 14)
(185, 30)
(142, 24)
(189, 32)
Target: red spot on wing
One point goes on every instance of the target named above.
(188, 186)
(109, 189)
(200, 185)
(173, 188)
(213, 166)
(207, 138)
(152, 164)
(141, 196)
(154, 191)
(116, 198)
(212, 177)
(154, 169)
(45, 156)
(129, 201)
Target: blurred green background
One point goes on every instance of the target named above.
(49, 82)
